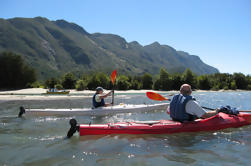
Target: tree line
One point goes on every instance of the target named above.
(163, 81)
(14, 73)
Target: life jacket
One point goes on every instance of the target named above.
(178, 108)
(97, 104)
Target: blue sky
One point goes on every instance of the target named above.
(218, 31)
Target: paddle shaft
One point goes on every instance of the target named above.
(158, 97)
(208, 108)
(113, 95)
(239, 110)
(113, 79)
(245, 111)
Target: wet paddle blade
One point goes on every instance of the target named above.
(155, 96)
(113, 76)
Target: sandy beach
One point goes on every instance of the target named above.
(39, 94)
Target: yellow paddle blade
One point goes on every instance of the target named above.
(155, 96)
(113, 76)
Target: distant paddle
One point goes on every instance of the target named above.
(113, 79)
(158, 97)
(113, 76)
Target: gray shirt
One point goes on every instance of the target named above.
(193, 108)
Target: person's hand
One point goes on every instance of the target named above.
(108, 94)
(168, 110)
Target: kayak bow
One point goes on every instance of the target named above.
(100, 111)
(217, 122)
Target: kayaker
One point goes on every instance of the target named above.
(98, 98)
(183, 106)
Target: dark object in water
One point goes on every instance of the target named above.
(21, 112)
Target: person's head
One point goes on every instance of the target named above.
(99, 90)
(185, 89)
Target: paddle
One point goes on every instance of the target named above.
(113, 79)
(158, 97)
(215, 109)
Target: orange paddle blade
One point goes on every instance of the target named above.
(113, 76)
(155, 96)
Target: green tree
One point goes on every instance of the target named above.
(189, 78)
(249, 82)
(233, 85)
(147, 81)
(135, 82)
(94, 82)
(176, 81)
(165, 80)
(68, 81)
(136, 85)
(98, 79)
(59, 86)
(51, 82)
(157, 84)
(203, 82)
(123, 83)
(81, 85)
(14, 73)
(221, 81)
(104, 80)
(240, 80)
(36, 84)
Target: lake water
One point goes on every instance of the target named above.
(40, 141)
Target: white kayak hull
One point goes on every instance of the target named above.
(101, 111)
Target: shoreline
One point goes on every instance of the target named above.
(39, 94)
(41, 91)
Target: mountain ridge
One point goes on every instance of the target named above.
(55, 47)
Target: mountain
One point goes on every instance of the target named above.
(56, 47)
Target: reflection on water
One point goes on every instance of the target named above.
(41, 140)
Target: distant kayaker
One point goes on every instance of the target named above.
(98, 98)
(183, 106)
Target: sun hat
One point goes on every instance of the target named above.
(99, 89)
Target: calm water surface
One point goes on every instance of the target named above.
(41, 140)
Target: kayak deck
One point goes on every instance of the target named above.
(122, 108)
(217, 122)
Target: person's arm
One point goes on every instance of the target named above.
(107, 104)
(194, 108)
(208, 114)
(105, 95)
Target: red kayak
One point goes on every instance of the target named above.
(217, 122)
